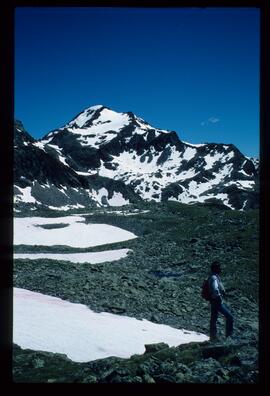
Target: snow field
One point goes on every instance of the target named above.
(29, 231)
(91, 258)
(46, 323)
(51, 324)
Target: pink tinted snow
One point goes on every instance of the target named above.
(50, 324)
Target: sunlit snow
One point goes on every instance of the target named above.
(189, 153)
(39, 145)
(29, 231)
(246, 183)
(96, 133)
(194, 144)
(212, 159)
(42, 322)
(25, 195)
(117, 198)
(88, 257)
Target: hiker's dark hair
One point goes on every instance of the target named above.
(215, 266)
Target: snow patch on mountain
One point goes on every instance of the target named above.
(39, 145)
(95, 131)
(246, 184)
(189, 153)
(141, 161)
(65, 208)
(102, 197)
(194, 144)
(24, 195)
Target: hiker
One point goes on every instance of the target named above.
(217, 291)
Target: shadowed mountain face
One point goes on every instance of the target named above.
(43, 179)
(102, 157)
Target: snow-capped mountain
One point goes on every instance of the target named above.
(42, 179)
(147, 163)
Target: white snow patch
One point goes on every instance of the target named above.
(63, 160)
(194, 144)
(187, 174)
(130, 168)
(64, 208)
(198, 188)
(98, 195)
(135, 212)
(255, 161)
(118, 200)
(187, 198)
(46, 141)
(211, 159)
(227, 168)
(59, 152)
(46, 323)
(243, 172)
(54, 146)
(189, 153)
(39, 145)
(246, 183)
(227, 157)
(221, 196)
(84, 173)
(96, 133)
(27, 231)
(92, 258)
(96, 107)
(25, 196)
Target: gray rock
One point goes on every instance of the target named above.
(148, 379)
(149, 348)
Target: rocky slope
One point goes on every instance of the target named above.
(141, 161)
(160, 281)
(227, 362)
(43, 179)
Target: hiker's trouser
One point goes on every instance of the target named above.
(218, 307)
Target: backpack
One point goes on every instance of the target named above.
(205, 290)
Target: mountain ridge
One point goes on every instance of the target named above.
(147, 162)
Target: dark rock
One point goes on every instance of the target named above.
(164, 378)
(155, 347)
(216, 351)
(235, 360)
(148, 379)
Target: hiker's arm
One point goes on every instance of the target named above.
(222, 289)
(215, 288)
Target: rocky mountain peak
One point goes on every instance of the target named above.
(21, 136)
(153, 163)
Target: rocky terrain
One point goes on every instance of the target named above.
(160, 281)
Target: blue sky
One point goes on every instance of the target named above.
(191, 70)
